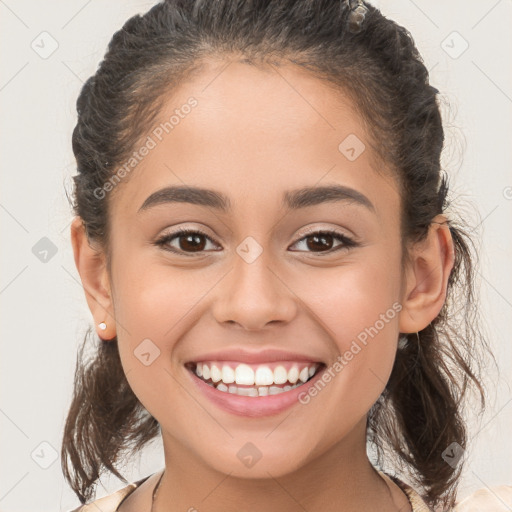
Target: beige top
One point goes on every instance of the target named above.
(492, 499)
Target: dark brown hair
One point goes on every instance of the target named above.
(375, 62)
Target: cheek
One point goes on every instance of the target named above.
(152, 299)
(153, 307)
(351, 298)
(358, 307)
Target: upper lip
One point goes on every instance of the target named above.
(262, 356)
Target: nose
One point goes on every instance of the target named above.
(254, 295)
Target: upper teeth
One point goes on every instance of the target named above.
(263, 376)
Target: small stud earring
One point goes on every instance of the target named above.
(102, 326)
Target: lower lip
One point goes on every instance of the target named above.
(254, 406)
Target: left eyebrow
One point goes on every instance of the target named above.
(311, 196)
(293, 199)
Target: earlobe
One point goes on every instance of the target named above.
(427, 277)
(90, 263)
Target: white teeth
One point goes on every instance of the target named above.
(274, 390)
(215, 374)
(244, 374)
(293, 374)
(264, 376)
(247, 391)
(263, 391)
(228, 374)
(280, 375)
(260, 391)
(304, 375)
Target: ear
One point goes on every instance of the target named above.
(427, 277)
(91, 265)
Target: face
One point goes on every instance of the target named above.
(259, 274)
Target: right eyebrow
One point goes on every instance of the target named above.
(184, 194)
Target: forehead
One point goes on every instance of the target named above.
(254, 132)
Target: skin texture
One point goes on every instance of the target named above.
(256, 133)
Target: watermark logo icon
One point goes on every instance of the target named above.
(352, 147)
(453, 454)
(44, 250)
(249, 250)
(44, 455)
(147, 352)
(44, 45)
(249, 454)
(454, 45)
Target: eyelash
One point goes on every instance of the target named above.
(347, 242)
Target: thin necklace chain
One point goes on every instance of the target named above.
(157, 486)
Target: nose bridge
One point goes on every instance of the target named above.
(254, 293)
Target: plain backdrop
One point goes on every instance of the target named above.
(465, 44)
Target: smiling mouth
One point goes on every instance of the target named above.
(254, 380)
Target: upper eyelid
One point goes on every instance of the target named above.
(309, 230)
(312, 231)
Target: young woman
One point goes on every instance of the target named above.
(262, 236)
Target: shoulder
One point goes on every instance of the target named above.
(111, 502)
(487, 499)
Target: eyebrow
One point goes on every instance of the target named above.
(293, 199)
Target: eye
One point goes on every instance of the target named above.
(323, 241)
(189, 240)
(195, 241)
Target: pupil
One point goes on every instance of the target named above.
(321, 241)
(193, 240)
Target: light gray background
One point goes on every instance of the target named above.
(43, 308)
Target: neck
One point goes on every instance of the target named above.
(341, 479)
